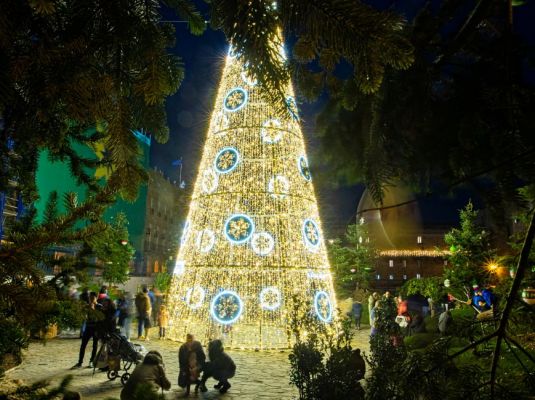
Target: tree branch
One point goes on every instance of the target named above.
(521, 267)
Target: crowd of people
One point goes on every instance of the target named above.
(103, 316)
(483, 301)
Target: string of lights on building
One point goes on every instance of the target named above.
(414, 253)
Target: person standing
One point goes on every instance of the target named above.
(84, 298)
(191, 360)
(163, 320)
(356, 310)
(126, 311)
(144, 310)
(373, 317)
(153, 306)
(94, 315)
(102, 294)
(371, 303)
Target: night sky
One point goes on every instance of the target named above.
(190, 108)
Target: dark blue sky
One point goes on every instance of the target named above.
(190, 108)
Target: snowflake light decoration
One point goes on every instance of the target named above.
(195, 297)
(302, 165)
(210, 181)
(226, 307)
(270, 298)
(226, 160)
(262, 243)
(271, 131)
(323, 306)
(292, 108)
(239, 228)
(235, 100)
(311, 234)
(185, 233)
(205, 240)
(278, 187)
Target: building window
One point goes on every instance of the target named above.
(378, 276)
(404, 277)
(418, 276)
(390, 263)
(419, 239)
(445, 262)
(391, 277)
(419, 263)
(405, 263)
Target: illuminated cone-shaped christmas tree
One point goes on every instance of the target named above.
(253, 239)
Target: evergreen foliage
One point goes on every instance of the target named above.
(71, 65)
(322, 363)
(387, 354)
(328, 33)
(356, 251)
(162, 281)
(431, 287)
(114, 256)
(471, 250)
(29, 302)
(466, 119)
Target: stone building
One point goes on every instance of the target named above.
(165, 210)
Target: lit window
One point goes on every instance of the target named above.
(419, 239)
(378, 276)
(404, 263)
(418, 276)
(391, 277)
(445, 262)
(405, 277)
(390, 263)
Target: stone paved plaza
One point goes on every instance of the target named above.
(259, 375)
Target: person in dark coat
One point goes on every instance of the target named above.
(417, 325)
(191, 360)
(357, 363)
(220, 367)
(108, 324)
(150, 373)
(356, 310)
(94, 316)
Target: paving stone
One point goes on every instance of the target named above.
(259, 375)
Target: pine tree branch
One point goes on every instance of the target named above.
(513, 292)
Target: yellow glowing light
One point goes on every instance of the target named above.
(492, 266)
(253, 224)
(414, 253)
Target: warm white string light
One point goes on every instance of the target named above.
(253, 240)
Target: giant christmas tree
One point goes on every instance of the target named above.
(253, 240)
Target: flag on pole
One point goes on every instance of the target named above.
(177, 163)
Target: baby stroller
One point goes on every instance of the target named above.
(118, 354)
